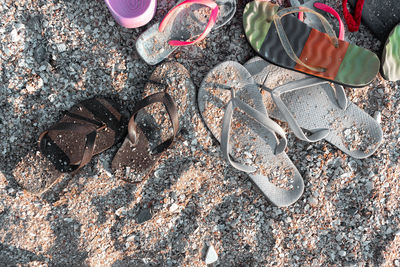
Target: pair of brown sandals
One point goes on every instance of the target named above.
(96, 124)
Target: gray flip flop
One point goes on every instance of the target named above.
(314, 105)
(190, 22)
(232, 108)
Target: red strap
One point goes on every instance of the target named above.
(353, 22)
(331, 11)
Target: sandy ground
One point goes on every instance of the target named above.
(55, 53)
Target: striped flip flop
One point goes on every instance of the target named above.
(286, 41)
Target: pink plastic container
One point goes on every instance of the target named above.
(132, 13)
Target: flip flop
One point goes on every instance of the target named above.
(379, 16)
(314, 105)
(391, 56)
(191, 21)
(304, 49)
(231, 106)
(155, 122)
(87, 129)
(132, 13)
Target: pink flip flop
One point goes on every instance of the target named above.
(187, 23)
(132, 13)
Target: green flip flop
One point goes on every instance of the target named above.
(391, 56)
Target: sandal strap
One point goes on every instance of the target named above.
(169, 103)
(102, 113)
(331, 11)
(82, 129)
(82, 118)
(353, 22)
(317, 134)
(261, 118)
(285, 41)
(174, 12)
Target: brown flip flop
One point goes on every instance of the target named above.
(135, 155)
(87, 129)
(155, 122)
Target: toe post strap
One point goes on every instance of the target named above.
(172, 110)
(89, 130)
(285, 40)
(261, 118)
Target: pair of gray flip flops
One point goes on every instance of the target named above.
(237, 114)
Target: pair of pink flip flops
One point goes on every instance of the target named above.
(132, 13)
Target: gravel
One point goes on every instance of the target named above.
(54, 54)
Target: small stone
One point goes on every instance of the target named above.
(339, 237)
(40, 54)
(30, 88)
(144, 215)
(121, 212)
(211, 255)
(312, 201)
(61, 48)
(173, 207)
(157, 173)
(11, 190)
(378, 116)
(15, 37)
(342, 253)
(131, 238)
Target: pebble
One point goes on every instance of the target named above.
(312, 201)
(342, 253)
(173, 207)
(339, 237)
(211, 255)
(61, 48)
(144, 215)
(131, 238)
(378, 116)
(30, 88)
(15, 37)
(121, 212)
